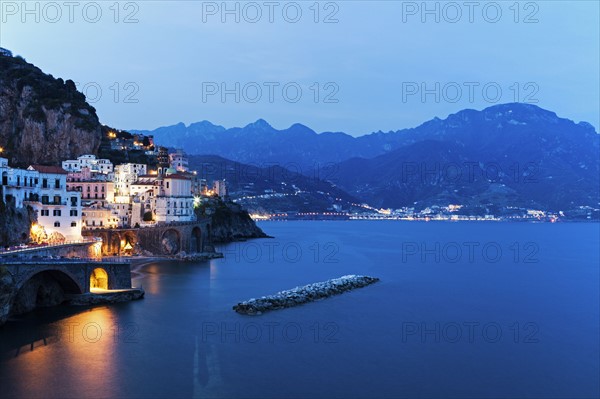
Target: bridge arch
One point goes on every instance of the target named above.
(42, 288)
(171, 242)
(99, 279)
(68, 282)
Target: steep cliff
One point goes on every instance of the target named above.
(42, 119)
(229, 221)
(14, 223)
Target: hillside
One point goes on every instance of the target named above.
(272, 188)
(505, 155)
(43, 119)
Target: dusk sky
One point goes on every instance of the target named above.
(373, 61)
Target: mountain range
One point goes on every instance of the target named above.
(259, 143)
(506, 155)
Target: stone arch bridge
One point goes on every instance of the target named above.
(163, 239)
(75, 276)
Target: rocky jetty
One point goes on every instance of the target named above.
(299, 295)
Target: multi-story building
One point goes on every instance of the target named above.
(125, 175)
(162, 158)
(97, 216)
(220, 188)
(18, 184)
(58, 211)
(103, 166)
(179, 161)
(44, 189)
(122, 212)
(141, 210)
(93, 191)
(173, 201)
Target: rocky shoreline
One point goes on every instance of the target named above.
(194, 257)
(230, 222)
(300, 295)
(99, 298)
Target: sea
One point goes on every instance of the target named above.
(462, 310)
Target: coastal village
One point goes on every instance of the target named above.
(89, 193)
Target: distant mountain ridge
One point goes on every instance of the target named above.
(505, 155)
(518, 155)
(260, 143)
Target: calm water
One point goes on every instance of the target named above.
(462, 310)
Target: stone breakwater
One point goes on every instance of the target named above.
(300, 295)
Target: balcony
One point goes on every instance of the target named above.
(54, 203)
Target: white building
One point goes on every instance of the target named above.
(97, 216)
(58, 211)
(220, 188)
(122, 212)
(178, 160)
(19, 185)
(124, 176)
(173, 201)
(102, 166)
(44, 188)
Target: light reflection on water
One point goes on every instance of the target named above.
(183, 339)
(86, 339)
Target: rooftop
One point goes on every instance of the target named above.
(177, 176)
(57, 170)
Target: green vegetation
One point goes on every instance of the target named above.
(212, 207)
(119, 156)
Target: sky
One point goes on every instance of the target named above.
(351, 66)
